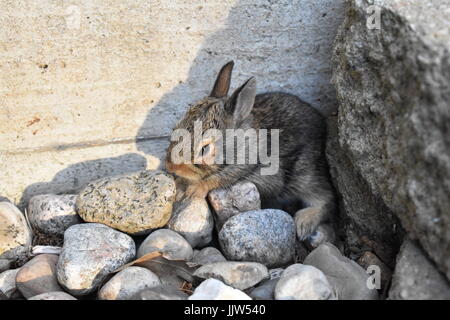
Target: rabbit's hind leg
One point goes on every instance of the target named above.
(319, 199)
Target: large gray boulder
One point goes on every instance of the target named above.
(415, 277)
(393, 88)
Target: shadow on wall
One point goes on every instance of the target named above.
(76, 176)
(286, 45)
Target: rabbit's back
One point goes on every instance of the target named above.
(299, 123)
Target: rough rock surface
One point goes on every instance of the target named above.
(348, 279)
(208, 255)
(8, 283)
(393, 89)
(416, 278)
(266, 236)
(38, 276)
(239, 275)
(241, 197)
(171, 244)
(134, 203)
(213, 289)
(53, 214)
(303, 282)
(56, 295)
(193, 220)
(90, 253)
(15, 236)
(128, 282)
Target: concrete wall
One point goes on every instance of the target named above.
(93, 88)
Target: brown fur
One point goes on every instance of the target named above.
(303, 172)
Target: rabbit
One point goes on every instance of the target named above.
(303, 170)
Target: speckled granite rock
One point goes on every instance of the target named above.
(90, 253)
(15, 235)
(133, 203)
(53, 214)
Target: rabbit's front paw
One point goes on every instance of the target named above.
(196, 191)
(306, 221)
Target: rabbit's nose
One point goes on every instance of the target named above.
(169, 166)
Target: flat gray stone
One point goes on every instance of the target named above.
(128, 282)
(348, 279)
(208, 255)
(239, 275)
(264, 236)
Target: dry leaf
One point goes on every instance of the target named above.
(163, 267)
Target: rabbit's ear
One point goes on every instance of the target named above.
(242, 100)
(222, 84)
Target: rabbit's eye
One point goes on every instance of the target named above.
(206, 149)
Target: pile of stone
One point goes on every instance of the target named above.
(232, 247)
